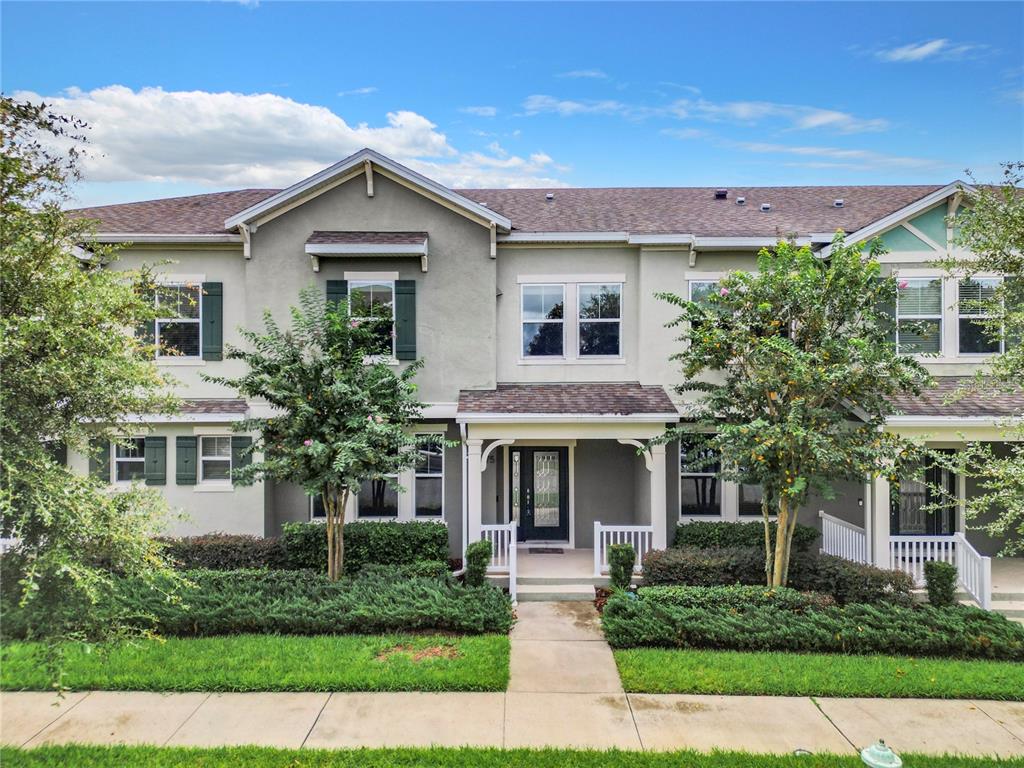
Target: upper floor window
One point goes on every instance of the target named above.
(973, 304)
(919, 316)
(373, 302)
(700, 488)
(543, 320)
(177, 327)
(215, 458)
(130, 460)
(701, 289)
(600, 320)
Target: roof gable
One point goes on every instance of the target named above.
(365, 161)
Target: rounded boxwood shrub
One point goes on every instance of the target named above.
(478, 557)
(940, 580)
(716, 535)
(621, 559)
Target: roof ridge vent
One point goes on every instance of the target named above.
(838, 202)
(549, 196)
(741, 200)
(765, 207)
(721, 194)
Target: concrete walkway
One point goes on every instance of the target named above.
(564, 692)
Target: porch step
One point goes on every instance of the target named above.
(1009, 609)
(540, 581)
(554, 593)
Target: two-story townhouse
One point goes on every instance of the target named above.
(546, 353)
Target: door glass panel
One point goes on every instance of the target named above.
(913, 493)
(546, 491)
(515, 484)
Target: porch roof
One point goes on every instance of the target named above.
(980, 401)
(322, 237)
(600, 400)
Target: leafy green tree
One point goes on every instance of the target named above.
(991, 232)
(794, 364)
(71, 371)
(340, 416)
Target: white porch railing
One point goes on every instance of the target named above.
(640, 536)
(974, 572)
(503, 551)
(843, 539)
(7, 544)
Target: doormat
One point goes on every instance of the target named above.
(547, 551)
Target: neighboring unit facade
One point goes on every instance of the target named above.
(546, 356)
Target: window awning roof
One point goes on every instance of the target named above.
(364, 243)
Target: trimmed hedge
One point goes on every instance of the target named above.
(301, 603)
(621, 559)
(224, 552)
(716, 535)
(736, 596)
(940, 580)
(384, 543)
(846, 581)
(961, 631)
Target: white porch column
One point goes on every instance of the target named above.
(659, 515)
(880, 521)
(474, 501)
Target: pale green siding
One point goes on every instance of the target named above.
(933, 223)
(902, 239)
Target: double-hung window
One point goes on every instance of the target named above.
(919, 316)
(600, 319)
(973, 308)
(215, 459)
(130, 460)
(373, 302)
(428, 489)
(377, 498)
(700, 487)
(701, 289)
(177, 326)
(543, 320)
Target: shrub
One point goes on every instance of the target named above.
(421, 569)
(224, 552)
(940, 580)
(305, 544)
(846, 581)
(621, 559)
(716, 535)
(303, 603)
(886, 628)
(478, 557)
(736, 596)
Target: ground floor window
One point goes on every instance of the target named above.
(750, 499)
(700, 488)
(215, 458)
(130, 460)
(377, 497)
(428, 489)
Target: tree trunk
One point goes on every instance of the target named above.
(783, 536)
(768, 557)
(334, 507)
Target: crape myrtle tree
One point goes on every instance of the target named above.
(70, 371)
(794, 364)
(990, 234)
(341, 415)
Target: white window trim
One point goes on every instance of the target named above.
(571, 321)
(680, 474)
(163, 359)
(205, 484)
(566, 342)
(114, 460)
(958, 316)
(941, 316)
(417, 474)
(619, 320)
(376, 277)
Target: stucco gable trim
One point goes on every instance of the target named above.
(354, 165)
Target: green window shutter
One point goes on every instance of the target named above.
(240, 455)
(156, 461)
(185, 460)
(99, 460)
(405, 319)
(213, 321)
(337, 290)
(888, 307)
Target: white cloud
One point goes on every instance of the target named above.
(366, 89)
(480, 111)
(838, 157)
(225, 140)
(940, 49)
(584, 74)
(684, 133)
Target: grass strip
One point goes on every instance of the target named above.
(655, 670)
(261, 757)
(273, 663)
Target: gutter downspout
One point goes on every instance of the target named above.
(465, 486)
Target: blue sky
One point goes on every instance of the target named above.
(192, 97)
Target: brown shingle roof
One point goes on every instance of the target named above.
(639, 210)
(596, 398)
(940, 400)
(694, 210)
(193, 215)
(368, 238)
(214, 405)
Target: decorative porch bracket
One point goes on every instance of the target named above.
(490, 449)
(644, 451)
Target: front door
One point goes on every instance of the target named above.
(538, 493)
(917, 508)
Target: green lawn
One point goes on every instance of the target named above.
(257, 757)
(654, 670)
(275, 663)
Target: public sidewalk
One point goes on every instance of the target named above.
(564, 692)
